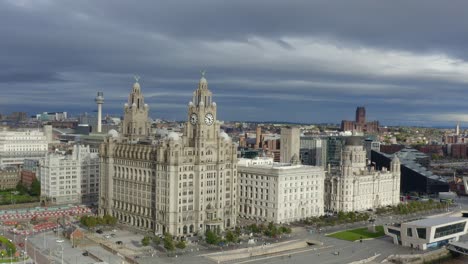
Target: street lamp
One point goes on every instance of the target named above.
(25, 249)
(10, 251)
(61, 247)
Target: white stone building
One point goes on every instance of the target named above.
(183, 184)
(70, 178)
(359, 187)
(279, 192)
(16, 146)
(60, 177)
(89, 161)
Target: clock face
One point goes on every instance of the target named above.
(209, 119)
(193, 119)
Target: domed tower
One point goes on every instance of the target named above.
(135, 124)
(395, 164)
(353, 158)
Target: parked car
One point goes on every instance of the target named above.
(99, 231)
(119, 242)
(86, 253)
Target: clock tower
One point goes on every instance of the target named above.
(202, 126)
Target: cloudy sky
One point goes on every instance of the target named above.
(300, 61)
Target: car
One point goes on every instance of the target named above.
(107, 236)
(99, 231)
(119, 242)
(86, 253)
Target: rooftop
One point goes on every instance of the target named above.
(436, 221)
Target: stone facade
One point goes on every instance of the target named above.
(182, 184)
(279, 192)
(289, 144)
(9, 178)
(70, 178)
(16, 146)
(359, 187)
(135, 125)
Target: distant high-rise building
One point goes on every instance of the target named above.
(361, 115)
(258, 137)
(18, 116)
(289, 144)
(313, 151)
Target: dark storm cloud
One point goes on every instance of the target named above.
(404, 60)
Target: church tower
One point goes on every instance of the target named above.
(135, 124)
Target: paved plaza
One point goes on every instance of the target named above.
(104, 247)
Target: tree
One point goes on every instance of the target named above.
(230, 236)
(168, 242)
(35, 188)
(109, 220)
(88, 221)
(20, 188)
(211, 237)
(181, 244)
(146, 241)
(156, 240)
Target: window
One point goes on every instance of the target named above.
(409, 232)
(421, 232)
(449, 230)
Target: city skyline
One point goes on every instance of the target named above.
(319, 60)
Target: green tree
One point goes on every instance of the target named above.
(181, 244)
(35, 188)
(156, 240)
(88, 221)
(146, 241)
(109, 220)
(20, 188)
(230, 236)
(168, 242)
(211, 237)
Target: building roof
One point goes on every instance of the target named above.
(353, 141)
(408, 157)
(434, 221)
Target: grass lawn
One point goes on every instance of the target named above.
(6, 197)
(356, 234)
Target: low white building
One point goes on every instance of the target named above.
(428, 233)
(70, 178)
(16, 146)
(279, 192)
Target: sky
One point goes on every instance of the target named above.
(298, 61)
